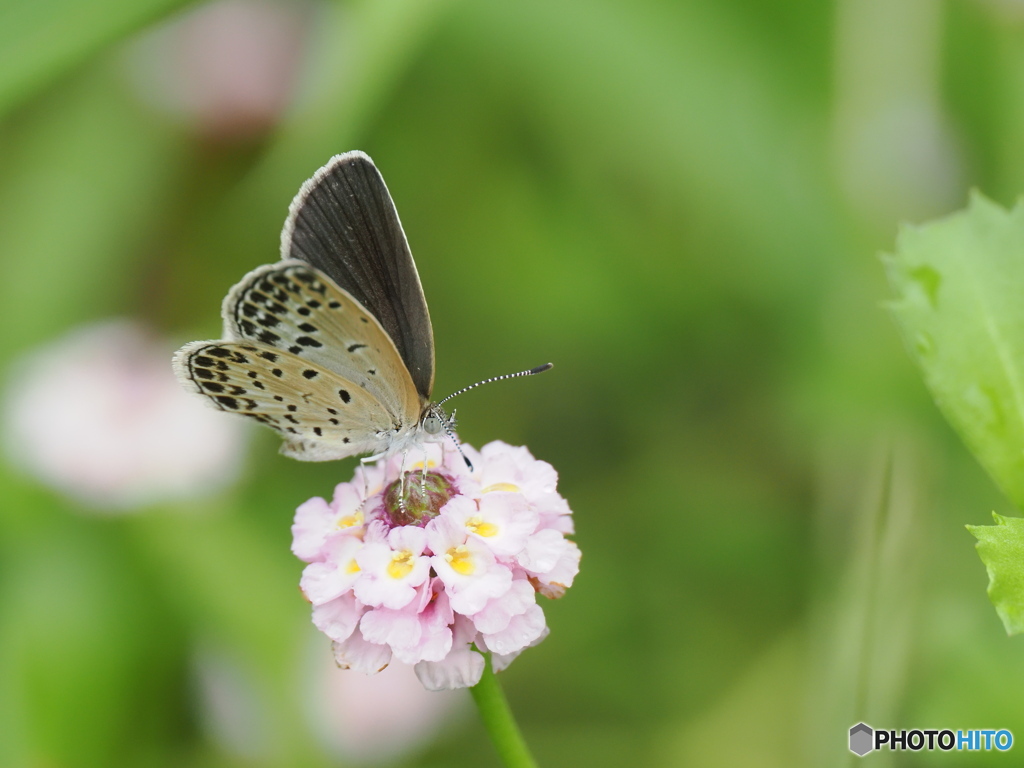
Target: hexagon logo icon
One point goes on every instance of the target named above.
(861, 739)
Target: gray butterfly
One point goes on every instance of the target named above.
(331, 346)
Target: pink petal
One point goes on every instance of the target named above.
(311, 523)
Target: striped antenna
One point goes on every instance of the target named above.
(531, 372)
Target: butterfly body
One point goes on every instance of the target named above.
(331, 346)
(302, 354)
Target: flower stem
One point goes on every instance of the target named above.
(498, 720)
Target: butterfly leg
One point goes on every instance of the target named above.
(423, 473)
(401, 485)
(366, 477)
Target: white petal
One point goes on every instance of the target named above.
(356, 653)
(338, 618)
(520, 632)
(542, 552)
(495, 616)
(558, 579)
(462, 668)
(501, 661)
(395, 628)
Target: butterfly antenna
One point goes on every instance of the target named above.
(531, 372)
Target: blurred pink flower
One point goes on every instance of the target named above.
(379, 719)
(228, 68)
(458, 565)
(99, 416)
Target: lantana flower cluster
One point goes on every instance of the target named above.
(432, 565)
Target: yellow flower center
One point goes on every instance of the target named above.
(501, 487)
(348, 521)
(461, 560)
(353, 566)
(477, 525)
(401, 564)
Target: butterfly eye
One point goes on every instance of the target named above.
(432, 424)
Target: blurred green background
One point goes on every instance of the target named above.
(681, 205)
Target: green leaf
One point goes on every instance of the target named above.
(1001, 548)
(960, 305)
(40, 40)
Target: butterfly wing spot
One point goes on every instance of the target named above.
(345, 396)
(293, 312)
(236, 377)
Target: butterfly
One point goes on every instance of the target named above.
(332, 346)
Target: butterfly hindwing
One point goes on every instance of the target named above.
(344, 223)
(297, 310)
(321, 415)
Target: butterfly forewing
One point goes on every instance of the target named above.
(321, 415)
(344, 223)
(299, 311)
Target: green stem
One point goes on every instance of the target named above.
(498, 720)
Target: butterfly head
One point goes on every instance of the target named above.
(435, 420)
